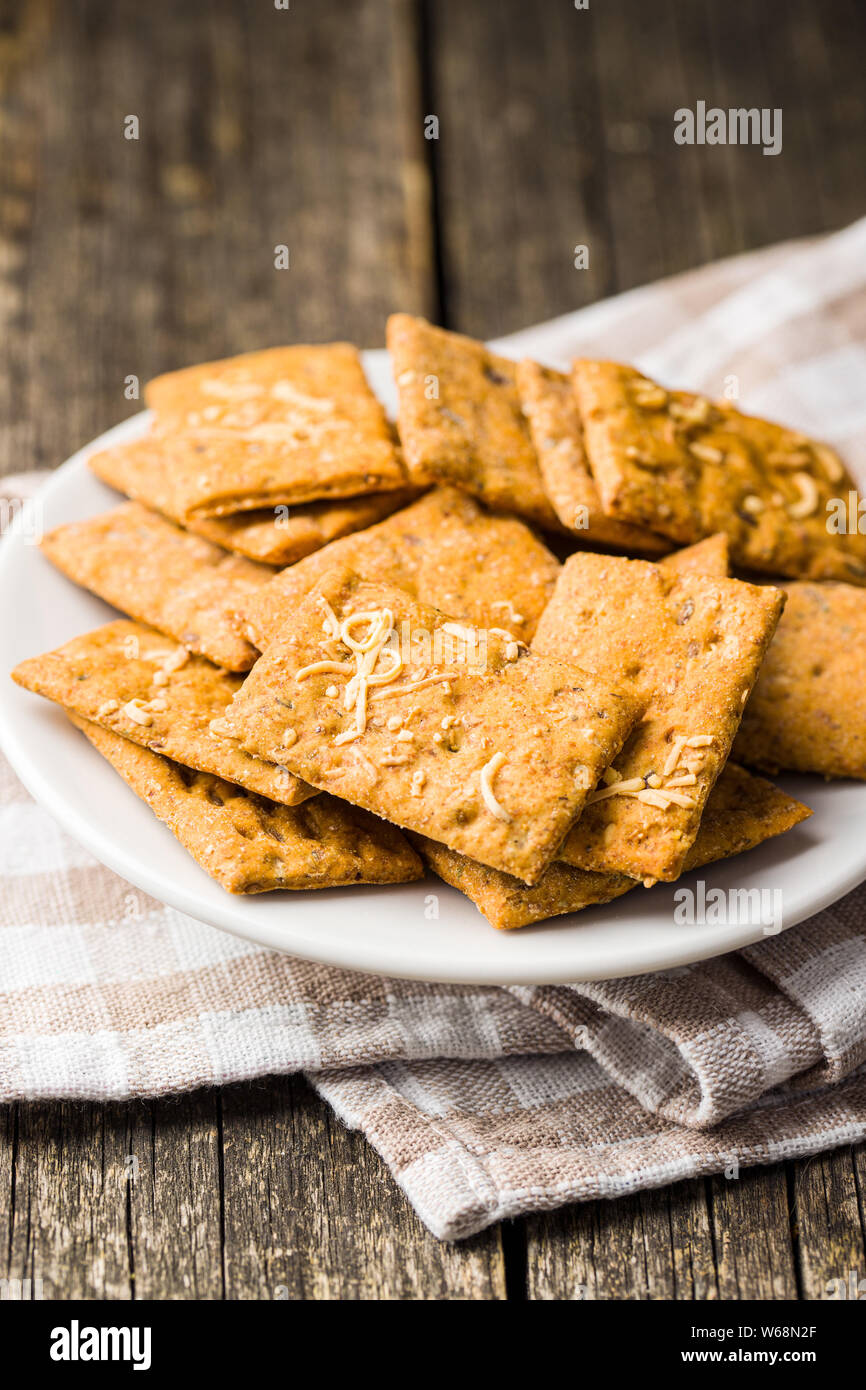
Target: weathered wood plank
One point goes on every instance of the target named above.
(655, 1245)
(519, 161)
(784, 1232)
(174, 1198)
(113, 1202)
(312, 1213)
(529, 166)
(254, 1192)
(64, 1178)
(673, 206)
(752, 1235)
(726, 1239)
(720, 1239)
(258, 127)
(830, 1223)
(804, 62)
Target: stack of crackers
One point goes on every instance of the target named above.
(501, 642)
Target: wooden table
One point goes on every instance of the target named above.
(304, 127)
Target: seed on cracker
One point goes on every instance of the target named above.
(742, 812)
(807, 711)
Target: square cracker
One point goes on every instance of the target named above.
(273, 536)
(549, 404)
(460, 420)
(161, 575)
(690, 645)
(249, 844)
(808, 710)
(458, 733)
(138, 683)
(687, 467)
(285, 426)
(742, 811)
(444, 550)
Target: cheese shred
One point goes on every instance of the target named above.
(488, 772)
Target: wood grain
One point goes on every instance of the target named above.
(752, 1235)
(174, 1198)
(252, 1192)
(655, 1245)
(784, 1232)
(64, 1187)
(258, 127)
(829, 1204)
(529, 167)
(520, 173)
(312, 1213)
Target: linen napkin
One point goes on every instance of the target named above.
(484, 1102)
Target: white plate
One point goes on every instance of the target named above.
(388, 930)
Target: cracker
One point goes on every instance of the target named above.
(549, 404)
(808, 710)
(706, 557)
(742, 811)
(150, 569)
(285, 426)
(460, 420)
(444, 550)
(249, 844)
(276, 536)
(690, 645)
(458, 733)
(506, 902)
(138, 683)
(687, 467)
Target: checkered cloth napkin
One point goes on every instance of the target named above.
(484, 1102)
